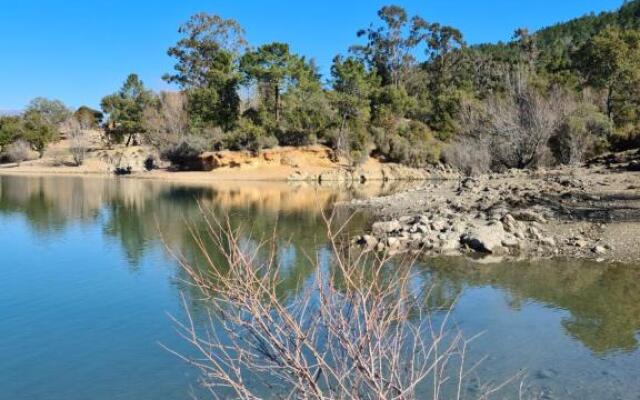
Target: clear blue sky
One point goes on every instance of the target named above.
(78, 51)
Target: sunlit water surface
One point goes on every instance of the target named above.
(86, 287)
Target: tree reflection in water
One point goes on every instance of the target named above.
(603, 300)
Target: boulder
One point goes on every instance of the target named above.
(386, 227)
(485, 239)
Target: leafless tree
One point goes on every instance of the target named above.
(167, 120)
(521, 122)
(359, 331)
(78, 140)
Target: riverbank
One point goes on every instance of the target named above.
(294, 164)
(585, 212)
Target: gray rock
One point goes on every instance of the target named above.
(548, 241)
(368, 242)
(393, 243)
(385, 227)
(528, 215)
(439, 225)
(599, 250)
(511, 242)
(485, 239)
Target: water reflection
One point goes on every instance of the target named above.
(603, 299)
(595, 305)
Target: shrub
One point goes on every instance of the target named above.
(18, 151)
(582, 135)
(412, 143)
(250, 136)
(359, 328)
(469, 155)
(185, 154)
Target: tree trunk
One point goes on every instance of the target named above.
(610, 102)
(277, 103)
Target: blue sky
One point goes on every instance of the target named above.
(78, 51)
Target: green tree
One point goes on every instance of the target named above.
(207, 61)
(51, 112)
(388, 50)
(11, 129)
(446, 78)
(273, 68)
(88, 118)
(39, 132)
(352, 88)
(611, 61)
(306, 112)
(125, 109)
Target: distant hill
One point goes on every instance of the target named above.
(556, 42)
(9, 112)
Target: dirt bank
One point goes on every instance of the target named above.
(309, 163)
(587, 212)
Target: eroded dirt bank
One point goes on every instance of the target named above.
(588, 212)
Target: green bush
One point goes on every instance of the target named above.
(185, 154)
(249, 136)
(583, 134)
(412, 143)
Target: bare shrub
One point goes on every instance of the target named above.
(521, 123)
(78, 140)
(359, 330)
(469, 154)
(18, 151)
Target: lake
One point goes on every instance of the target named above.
(87, 286)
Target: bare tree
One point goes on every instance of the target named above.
(359, 331)
(166, 121)
(521, 123)
(78, 140)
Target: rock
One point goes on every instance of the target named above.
(385, 227)
(368, 242)
(458, 227)
(407, 220)
(449, 244)
(534, 233)
(416, 237)
(511, 225)
(580, 243)
(485, 239)
(528, 215)
(599, 250)
(439, 225)
(511, 242)
(634, 166)
(298, 176)
(548, 241)
(393, 243)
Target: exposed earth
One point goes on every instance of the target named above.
(309, 163)
(591, 211)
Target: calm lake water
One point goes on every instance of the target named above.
(86, 287)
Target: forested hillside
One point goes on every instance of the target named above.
(408, 90)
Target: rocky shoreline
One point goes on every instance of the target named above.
(586, 212)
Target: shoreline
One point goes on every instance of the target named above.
(285, 164)
(582, 212)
